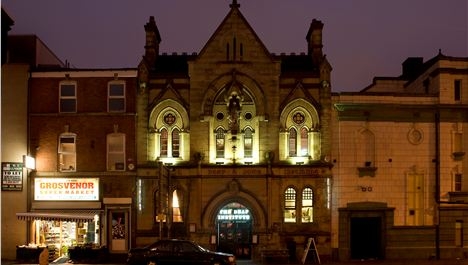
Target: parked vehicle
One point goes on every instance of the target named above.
(177, 251)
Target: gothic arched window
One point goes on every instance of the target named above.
(163, 144)
(290, 205)
(248, 142)
(292, 142)
(175, 142)
(220, 141)
(307, 205)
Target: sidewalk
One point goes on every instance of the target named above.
(251, 262)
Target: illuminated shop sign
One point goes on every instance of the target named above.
(66, 189)
(234, 214)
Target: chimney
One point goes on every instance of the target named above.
(314, 40)
(412, 67)
(152, 41)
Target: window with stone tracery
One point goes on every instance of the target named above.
(234, 138)
(300, 137)
(168, 139)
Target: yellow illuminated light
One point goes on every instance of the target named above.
(175, 200)
(29, 162)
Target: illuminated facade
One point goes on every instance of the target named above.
(246, 151)
(228, 147)
(242, 135)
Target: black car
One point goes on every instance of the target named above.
(177, 251)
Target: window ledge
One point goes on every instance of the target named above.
(367, 171)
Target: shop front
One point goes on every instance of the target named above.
(65, 217)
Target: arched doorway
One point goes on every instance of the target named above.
(234, 228)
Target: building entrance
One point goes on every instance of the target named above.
(234, 225)
(366, 238)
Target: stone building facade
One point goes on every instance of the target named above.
(399, 154)
(241, 136)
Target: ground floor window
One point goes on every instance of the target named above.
(62, 235)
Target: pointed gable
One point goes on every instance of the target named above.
(235, 40)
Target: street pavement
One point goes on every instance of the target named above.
(251, 262)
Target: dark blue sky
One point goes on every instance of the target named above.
(362, 38)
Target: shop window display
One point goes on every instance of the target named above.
(64, 234)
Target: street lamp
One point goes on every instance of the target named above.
(29, 162)
(166, 214)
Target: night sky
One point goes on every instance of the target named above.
(362, 38)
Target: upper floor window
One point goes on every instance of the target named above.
(307, 205)
(300, 136)
(116, 97)
(298, 141)
(175, 142)
(292, 142)
(458, 182)
(67, 97)
(116, 151)
(67, 152)
(457, 90)
(248, 147)
(457, 142)
(290, 205)
(170, 137)
(163, 142)
(304, 141)
(220, 143)
(366, 149)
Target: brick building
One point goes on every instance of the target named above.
(81, 133)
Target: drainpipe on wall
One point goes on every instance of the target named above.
(437, 182)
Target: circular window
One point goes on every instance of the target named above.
(298, 118)
(248, 116)
(415, 136)
(220, 116)
(169, 119)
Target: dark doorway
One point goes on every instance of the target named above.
(234, 237)
(366, 238)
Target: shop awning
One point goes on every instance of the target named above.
(75, 216)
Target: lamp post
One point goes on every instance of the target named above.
(160, 212)
(165, 209)
(169, 203)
